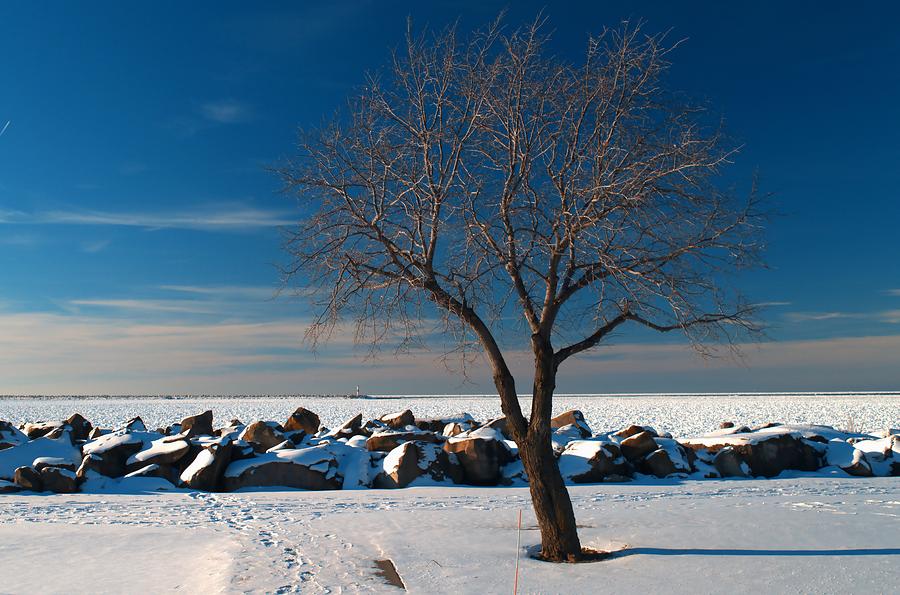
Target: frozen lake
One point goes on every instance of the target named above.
(680, 414)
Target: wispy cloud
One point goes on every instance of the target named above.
(225, 111)
(95, 246)
(54, 353)
(772, 304)
(891, 316)
(224, 218)
(225, 291)
(817, 316)
(894, 292)
(144, 305)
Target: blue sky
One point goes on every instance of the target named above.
(139, 228)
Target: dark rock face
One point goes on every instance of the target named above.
(481, 458)
(59, 480)
(726, 424)
(728, 463)
(637, 446)
(205, 472)
(28, 479)
(198, 425)
(399, 421)
(302, 419)
(81, 428)
(167, 472)
(262, 436)
(661, 464)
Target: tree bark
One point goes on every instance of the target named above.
(550, 499)
(549, 496)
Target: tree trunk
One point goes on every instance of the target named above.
(549, 496)
(550, 499)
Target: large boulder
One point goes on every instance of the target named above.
(314, 468)
(728, 463)
(59, 480)
(400, 420)
(167, 450)
(81, 428)
(39, 429)
(28, 479)
(481, 458)
(198, 425)
(766, 453)
(207, 468)
(669, 459)
(637, 446)
(388, 441)
(592, 461)
(302, 419)
(108, 454)
(573, 417)
(262, 435)
(412, 460)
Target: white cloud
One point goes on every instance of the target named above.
(183, 306)
(225, 291)
(95, 246)
(222, 218)
(225, 111)
(816, 316)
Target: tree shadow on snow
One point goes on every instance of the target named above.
(658, 551)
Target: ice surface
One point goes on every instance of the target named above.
(682, 415)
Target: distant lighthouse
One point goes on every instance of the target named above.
(357, 391)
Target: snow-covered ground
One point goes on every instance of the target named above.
(682, 415)
(786, 535)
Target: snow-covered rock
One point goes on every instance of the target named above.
(413, 460)
(399, 420)
(670, 458)
(59, 480)
(481, 453)
(302, 419)
(437, 424)
(196, 425)
(769, 452)
(592, 461)
(390, 440)
(262, 435)
(10, 435)
(637, 446)
(314, 468)
(572, 417)
(28, 479)
(852, 460)
(25, 454)
(206, 470)
(166, 450)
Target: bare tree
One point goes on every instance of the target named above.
(484, 177)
